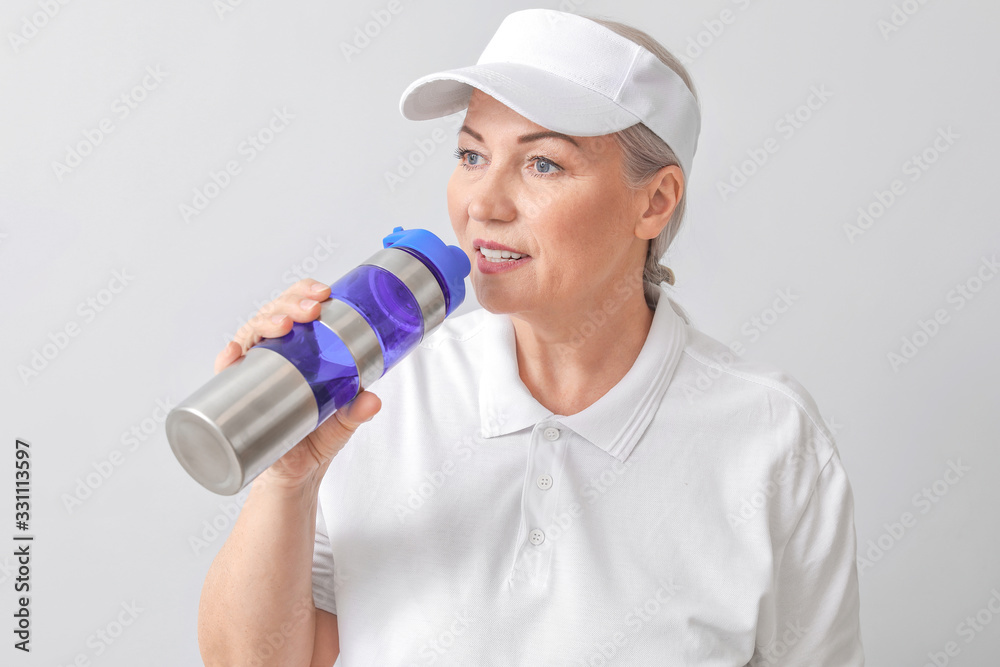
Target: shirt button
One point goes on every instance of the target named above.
(536, 536)
(552, 433)
(544, 482)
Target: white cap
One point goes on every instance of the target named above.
(571, 75)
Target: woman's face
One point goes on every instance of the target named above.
(558, 200)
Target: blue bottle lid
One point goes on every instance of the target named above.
(450, 263)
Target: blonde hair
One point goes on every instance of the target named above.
(644, 154)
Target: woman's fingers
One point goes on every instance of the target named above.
(333, 434)
(229, 354)
(308, 288)
(363, 407)
(298, 303)
(275, 318)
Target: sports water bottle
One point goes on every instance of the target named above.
(251, 413)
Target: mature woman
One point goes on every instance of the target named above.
(573, 474)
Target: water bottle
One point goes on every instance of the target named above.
(251, 413)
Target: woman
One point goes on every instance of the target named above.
(568, 475)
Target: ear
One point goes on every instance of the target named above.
(663, 194)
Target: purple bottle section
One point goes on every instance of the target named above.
(385, 302)
(324, 360)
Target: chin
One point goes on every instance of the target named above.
(497, 301)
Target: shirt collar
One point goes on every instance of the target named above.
(617, 420)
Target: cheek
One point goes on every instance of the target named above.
(595, 219)
(592, 230)
(455, 210)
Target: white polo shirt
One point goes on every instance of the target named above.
(696, 514)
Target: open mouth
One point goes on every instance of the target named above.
(499, 256)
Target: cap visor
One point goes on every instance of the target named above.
(544, 98)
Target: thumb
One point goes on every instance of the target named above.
(362, 408)
(335, 432)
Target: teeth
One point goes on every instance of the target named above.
(500, 255)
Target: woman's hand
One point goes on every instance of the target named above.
(308, 459)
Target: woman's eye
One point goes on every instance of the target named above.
(544, 166)
(466, 157)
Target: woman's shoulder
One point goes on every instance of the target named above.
(713, 377)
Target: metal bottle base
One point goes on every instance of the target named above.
(241, 421)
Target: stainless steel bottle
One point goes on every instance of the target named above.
(247, 416)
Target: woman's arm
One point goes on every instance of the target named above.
(256, 604)
(327, 645)
(815, 612)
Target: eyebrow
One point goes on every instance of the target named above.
(524, 139)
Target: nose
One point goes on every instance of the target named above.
(492, 196)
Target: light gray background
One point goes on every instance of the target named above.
(323, 177)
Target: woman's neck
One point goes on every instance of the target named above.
(569, 359)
